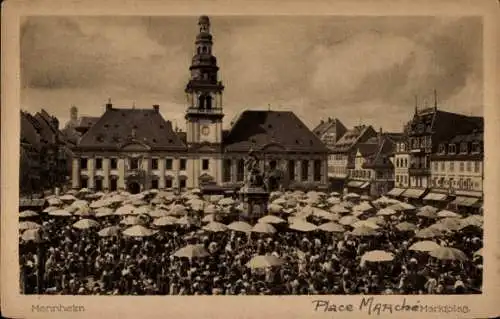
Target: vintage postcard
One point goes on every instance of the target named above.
(246, 160)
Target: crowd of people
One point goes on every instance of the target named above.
(62, 259)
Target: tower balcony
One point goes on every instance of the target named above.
(195, 110)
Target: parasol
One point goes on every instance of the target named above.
(85, 224)
(109, 231)
(240, 226)
(332, 227)
(377, 256)
(264, 261)
(270, 219)
(406, 226)
(139, 231)
(192, 251)
(28, 225)
(165, 221)
(27, 214)
(425, 245)
(364, 231)
(263, 228)
(215, 227)
(302, 225)
(448, 253)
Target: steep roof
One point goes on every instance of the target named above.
(384, 148)
(352, 137)
(326, 126)
(119, 125)
(255, 129)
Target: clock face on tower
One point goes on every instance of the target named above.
(205, 130)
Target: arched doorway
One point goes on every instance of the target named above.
(134, 188)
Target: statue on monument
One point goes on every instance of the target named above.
(254, 177)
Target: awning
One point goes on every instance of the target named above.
(365, 185)
(413, 193)
(355, 184)
(32, 202)
(465, 201)
(469, 194)
(435, 196)
(396, 191)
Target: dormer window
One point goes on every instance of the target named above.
(463, 148)
(476, 148)
(442, 149)
(452, 149)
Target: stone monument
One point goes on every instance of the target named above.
(254, 195)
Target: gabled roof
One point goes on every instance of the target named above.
(367, 149)
(259, 129)
(325, 126)
(381, 159)
(117, 126)
(354, 136)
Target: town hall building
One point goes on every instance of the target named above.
(137, 149)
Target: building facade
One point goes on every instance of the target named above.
(429, 128)
(457, 169)
(343, 155)
(373, 172)
(44, 155)
(137, 149)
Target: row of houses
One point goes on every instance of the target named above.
(44, 153)
(438, 157)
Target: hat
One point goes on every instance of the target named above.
(413, 260)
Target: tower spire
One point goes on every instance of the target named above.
(416, 104)
(435, 99)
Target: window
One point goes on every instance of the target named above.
(442, 166)
(436, 166)
(205, 164)
(182, 164)
(422, 142)
(113, 163)
(463, 148)
(452, 149)
(98, 163)
(428, 141)
(469, 166)
(442, 149)
(154, 164)
(415, 142)
(240, 170)
(317, 170)
(182, 183)
(305, 170)
(476, 148)
(226, 172)
(134, 163)
(168, 183)
(476, 167)
(154, 184)
(452, 166)
(462, 165)
(406, 162)
(406, 179)
(168, 164)
(84, 182)
(397, 178)
(113, 184)
(83, 163)
(291, 170)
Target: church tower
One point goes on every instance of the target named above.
(204, 91)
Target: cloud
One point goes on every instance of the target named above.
(345, 67)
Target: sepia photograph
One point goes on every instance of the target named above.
(252, 155)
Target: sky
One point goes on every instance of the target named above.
(361, 70)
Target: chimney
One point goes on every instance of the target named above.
(109, 106)
(321, 122)
(330, 120)
(73, 113)
(380, 136)
(156, 107)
